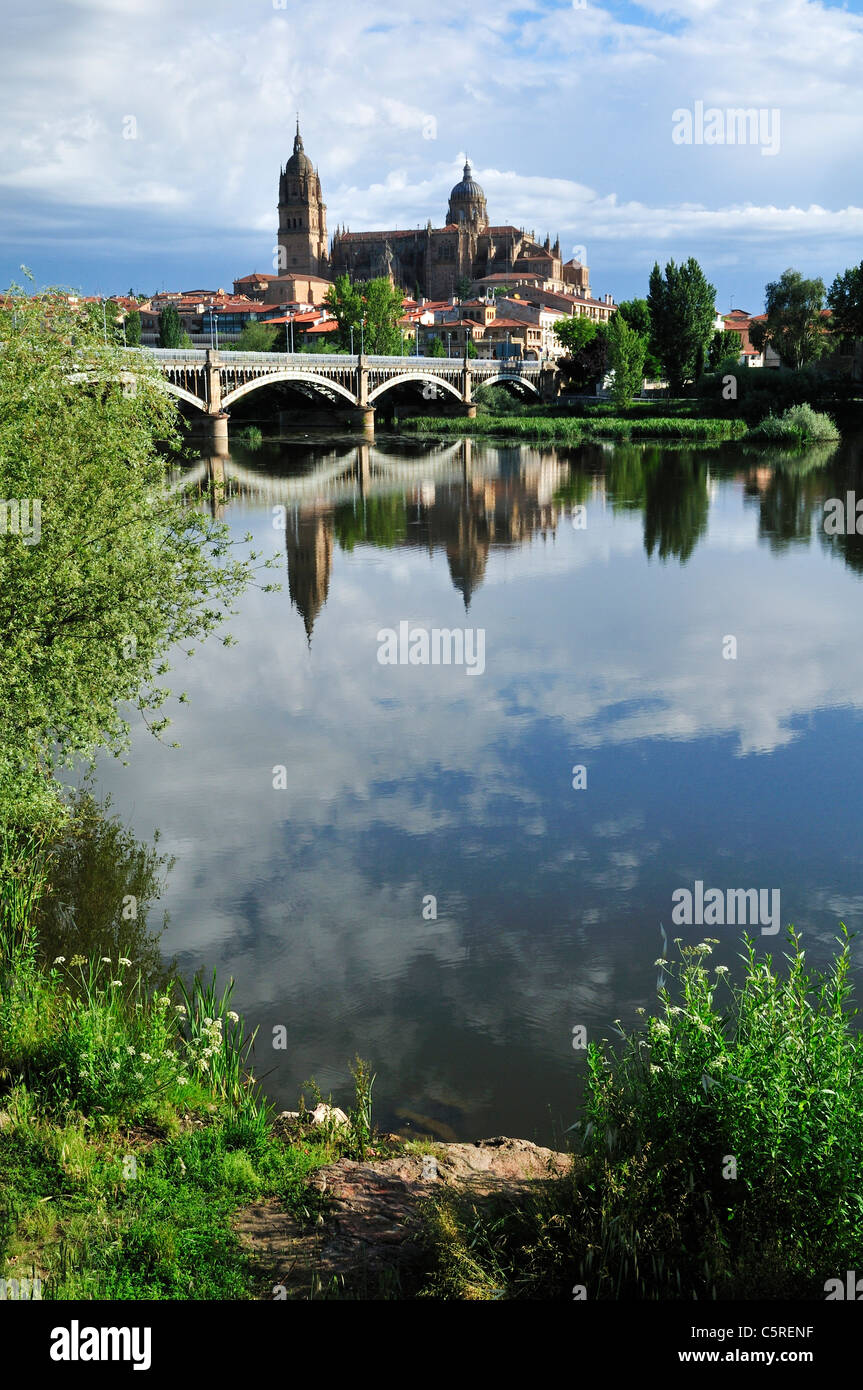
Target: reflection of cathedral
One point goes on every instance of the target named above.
(309, 544)
(465, 519)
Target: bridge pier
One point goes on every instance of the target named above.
(362, 417)
(216, 432)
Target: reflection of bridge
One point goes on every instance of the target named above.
(212, 382)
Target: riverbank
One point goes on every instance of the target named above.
(799, 425)
(140, 1159)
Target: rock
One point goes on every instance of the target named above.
(328, 1115)
(372, 1227)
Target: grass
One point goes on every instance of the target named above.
(720, 1154)
(574, 430)
(131, 1128)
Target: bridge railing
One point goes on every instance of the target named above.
(478, 365)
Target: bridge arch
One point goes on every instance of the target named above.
(314, 378)
(415, 376)
(506, 377)
(125, 378)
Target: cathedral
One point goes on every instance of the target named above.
(427, 261)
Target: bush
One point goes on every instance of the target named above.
(799, 423)
(721, 1153)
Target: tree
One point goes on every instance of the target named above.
(256, 337)
(383, 306)
(373, 306)
(682, 312)
(586, 364)
(575, 332)
(636, 313)
(106, 571)
(845, 298)
(725, 343)
(170, 327)
(627, 350)
(133, 328)
(471, 348)
(462, 287)
(437, 348)
(793, 324)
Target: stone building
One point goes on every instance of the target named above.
(432, 260)
(302, 216)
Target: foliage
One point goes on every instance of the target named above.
(436, 348)
(627, 350)
(636, 312)
(793, 326)
(462, 287)
(133, 328)
(681, 304)
(800, 423)
(573, 428)
(721, 1153)
(575, 333)
(725, 345)
(373, 306)
(845, 299)
(471, 348)
(586, 365)
(256, 337)
(171, 330)
(121, 570)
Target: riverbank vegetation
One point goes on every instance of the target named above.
(572, 430)
(720, 1154)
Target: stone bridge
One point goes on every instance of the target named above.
(213, 381)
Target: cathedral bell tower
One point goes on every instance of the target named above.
(302, 216)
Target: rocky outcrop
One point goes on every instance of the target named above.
(368, 1235)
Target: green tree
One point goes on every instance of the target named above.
(107, 571)
(725, 343)
(133, 328)
(585, 366)
(437, 348)
(627, 350)
(681, 304)
(256, 337)
(845, 298)
(793, 325)
(575, 332)
(636, 312)
(170, 328)
(462, 287)
(471, 348)
(383, 306)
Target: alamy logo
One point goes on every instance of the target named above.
(77, 1343)
(719, 907)
(22, 516)
(736, 125)
(437, 646)
(18, 1289)
(851, 1290)
(843, 517)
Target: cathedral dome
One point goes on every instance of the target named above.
(467, 201)
(299, 164)
(468, 188)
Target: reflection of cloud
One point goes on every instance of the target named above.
(409, 781)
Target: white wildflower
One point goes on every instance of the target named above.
(59, 960)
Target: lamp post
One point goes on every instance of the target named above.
(352, 340)
(104, 324)
(362, 335)
(449, 345)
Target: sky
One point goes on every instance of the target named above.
(141, 141)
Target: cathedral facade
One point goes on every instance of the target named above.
(427, 261)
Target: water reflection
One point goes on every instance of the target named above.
(603, 648)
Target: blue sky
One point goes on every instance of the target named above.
(140, 143)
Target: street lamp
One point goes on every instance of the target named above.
(352, 340)
(449, 345)
(362, 334)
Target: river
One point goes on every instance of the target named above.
(450, 868)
